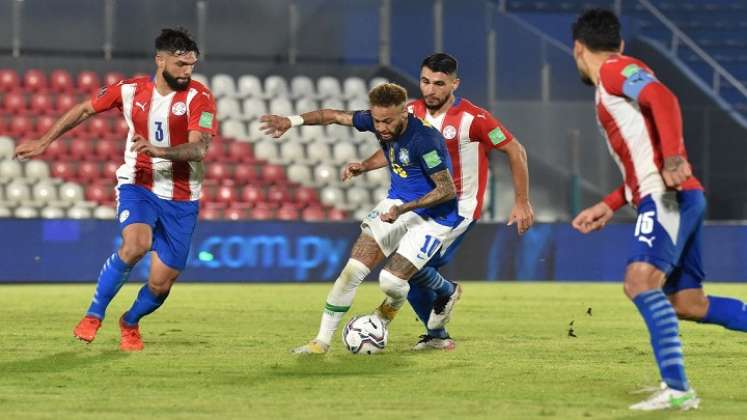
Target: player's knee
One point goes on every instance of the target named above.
(134, 249)
(160, 288)
(640, 277)
(392, 285)
(690, 309)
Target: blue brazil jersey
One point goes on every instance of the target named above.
(413, 156)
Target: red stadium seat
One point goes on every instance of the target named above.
(34, 80)
(215, 153)
(89, 171)
(261, 213)
(41, 104)
(306, 196)
(313, 214)
(237, 213)
(14, 103)
(211, 214)
(88, 82)
(240, 152)
(100, 192)
(252, 194)
(336, 215)
(81, 148)
(287, 213)
(218, 171)
(60, 81)
(43, 124)
(208, 191)
(113, 78)
(245, 173)
(109, 171)
(3, 125)
(278, 194)
(64, 102)
(9, 80)
(226, 194)
(63, 170)
(20, 126)
(107, 149)
(273, 174)
(56, 150)
(99, 127)
(120, 128)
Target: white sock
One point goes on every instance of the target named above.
(340, 298)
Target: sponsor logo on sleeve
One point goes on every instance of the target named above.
(206, 120)
(432, 159)
(497, 136)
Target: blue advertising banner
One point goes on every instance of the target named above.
(73, 251)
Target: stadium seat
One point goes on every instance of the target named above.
(275, 86)
(63, 169)
(273, 174)
(219, 171)
(361, 213)
(250, 86)
(43, 124)
(208, 191)
(100, 192)
(107, 149)
(44, 192)
(245, 172)
(7, 147)
(331, 196)
(235, 129)
(380, 193)
(216, 153)
(255, 132)
(98, 127)
(292, 151)
(9, 80)
(252, 194)
(60, 81)
(376, 81)
(236, 213)
(52, 212)
(299, 173)
(109, 171)
(211, 214)
(25, 212)
(344, 152)
(302, 87)
(79, 213)
(10, 170)
(223, 85)
(329, 87)
(281, 106)
(5, 212)
(228, 108)
(81, 148)
(240, 152)
(34, 80)
(71, 192)
(357, 104)
(378, 178)
(332, 103)
(287, 213)
(89, 171)
(278, 194)
(260, 213)
(312, 132)
(355, 88)
(318, 151)
(17, 191)
(305, 105)
(105, 213)
(325, 174)
(63, 103)
(40, 104)
(266, 150)
(36, 170)
(114, 77)
(336, 215)
(226, 194)
(253, 108)
(14, 103)
(358, 197)
(121, 129)
(336, 133)
(313, 214)
(88, 82)
(306, 196)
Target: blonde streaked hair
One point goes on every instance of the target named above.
(387, 94)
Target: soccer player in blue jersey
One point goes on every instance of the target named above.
(409, 226)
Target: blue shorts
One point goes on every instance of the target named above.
(668, 235)
(172, 222)
(450, 245)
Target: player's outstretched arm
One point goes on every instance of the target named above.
(522, 213)
(194, 150)
(76, 115)
(353, 169)
(443, 191)
(277, 125)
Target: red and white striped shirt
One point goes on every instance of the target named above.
(470, 133)
(165, 121)
(642, 122)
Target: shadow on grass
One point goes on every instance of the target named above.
(58, 362)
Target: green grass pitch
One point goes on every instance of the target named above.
(219, 351)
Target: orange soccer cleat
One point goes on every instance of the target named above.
(130, 337)
(87, 328)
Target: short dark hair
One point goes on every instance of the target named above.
(598, 30)
(440, 62)
(176, 40)
(387, 94)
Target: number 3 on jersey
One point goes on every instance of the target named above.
(159, 131)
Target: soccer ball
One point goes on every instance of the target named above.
(365, 334)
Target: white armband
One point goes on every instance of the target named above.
(296, 120)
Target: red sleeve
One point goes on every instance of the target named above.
(489, 131)
(202, 113)
(107, 97)
(612, 77)
(665, 109)
(616, 199)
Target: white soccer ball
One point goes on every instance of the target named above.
(365, 334)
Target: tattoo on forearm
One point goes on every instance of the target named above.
(443, 191)
(672, 163)
(194, 151)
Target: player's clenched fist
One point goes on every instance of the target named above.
(392, 215)
(593, 218)
(274, 125)
(351, 170)
(141, 145)
(30, 149)
(676, 171)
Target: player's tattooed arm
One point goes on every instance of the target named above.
(70, 120)
(277, 125)
(676, 171)
(443, 191)
(194, 150)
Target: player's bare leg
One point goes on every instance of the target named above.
(151, 297)
(365, 255)
(136, 241)
(690, 304)
(394, 282)
(695, 305)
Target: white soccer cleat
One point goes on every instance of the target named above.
(312, 347)
(667, 398)
(442, 307)
(428, 342)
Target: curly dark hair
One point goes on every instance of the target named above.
(598, 30)
(176, 40)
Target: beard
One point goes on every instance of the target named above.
(585, 79)
(398, 130)
(174, 83)
(435, 103)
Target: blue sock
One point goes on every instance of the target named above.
(727, 312)
(111, 278)
(145, 303)
(663, 327)
(425, 285)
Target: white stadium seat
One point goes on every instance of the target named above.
(7, 147)
(44, 191)
(255, 131)
(300, 174)
(344, 152)
(304, 105)
(198, 77)
(25, 212)
(325, 174)
(329, 87)
(10, 169)
(17, 191)
(361, 213)
(333, 103)
(276, 86)
(71, 192)
(104, 213)
(368, 147)
(223, 85)
(250, 86)
(377, 81)
(302, 87)
(331, 196)
(378, 178)
(358, 197)
(5, 212)
(355, 88)
(380, 193)
(79, 213)
(312, 132)
(318, 152)
(266, 150)
(357, 104)
(337, 133)
(36, 169)
(52, 212)
(234, 129)
(228, 108)
(253, 108)
(281, 106)
(292, 151)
